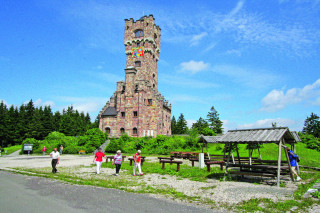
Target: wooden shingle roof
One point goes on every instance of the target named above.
(259, 135)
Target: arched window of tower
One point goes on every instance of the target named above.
(154, 85)
(154, 75)
(122, 130)
(108, 130)
(138, 33)
(137, 64)
(134, 131)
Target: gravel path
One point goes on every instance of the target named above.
(221, 192)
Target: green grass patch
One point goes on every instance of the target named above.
(186, 171)
(11, 149)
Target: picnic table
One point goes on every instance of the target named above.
(132, 159)
(165, 158)
(171, 162)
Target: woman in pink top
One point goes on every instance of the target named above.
(44, 149)
(117, 160)
(98, 158)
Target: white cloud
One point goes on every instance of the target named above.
(194, 66)
(196, 38)
(190, 122)
(233, 52)
(208, 48)
(185, 98)
(39, 102)
(267, 123)
(255, 78)
(279, 99)
(84, 104)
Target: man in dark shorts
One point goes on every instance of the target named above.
(55, 160)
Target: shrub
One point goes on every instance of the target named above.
(311, 141)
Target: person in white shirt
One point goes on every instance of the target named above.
(55, 160)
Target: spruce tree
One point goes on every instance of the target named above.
(12, 129)
(214, 122)
(181, 127)
(3, 117)
(312, 125)
(173, 125)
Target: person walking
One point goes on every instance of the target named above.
(137, 163)
(44, 149)
(117, 160)
(61, 149)
(98, 158)
(55, 160)
(293, 162)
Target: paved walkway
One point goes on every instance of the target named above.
(19, 193)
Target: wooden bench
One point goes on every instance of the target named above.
(171, 162)
(209, 163)
(165, 158)
(259, 170)
(197, 160)
(110, 157)
(81, 152)
(132, 160)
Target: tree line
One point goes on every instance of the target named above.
(210, 126)
(28, 121)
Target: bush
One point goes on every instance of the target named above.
(160, 145)
(311, 141)
(92, 139)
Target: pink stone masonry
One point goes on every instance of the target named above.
(137, 107)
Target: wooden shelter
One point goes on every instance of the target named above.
(253, 137)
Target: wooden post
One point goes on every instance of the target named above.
(238, 156)
(162, 165)
(291, 173)
(208, 151)
(279, 164)
(227, 164)
(250, 155)
(232, 156)
(293, 147)
(259, 152)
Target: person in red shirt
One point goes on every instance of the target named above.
(137, 163)
(44, 149)
(98, 158)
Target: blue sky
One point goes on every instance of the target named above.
(256, 62)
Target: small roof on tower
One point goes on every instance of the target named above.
(110, 111)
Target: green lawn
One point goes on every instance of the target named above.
(309, 157)
(12, 149)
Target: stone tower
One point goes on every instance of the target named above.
(137, 107)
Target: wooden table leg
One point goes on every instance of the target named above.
(208, 167)
(142, 162)
(162, 165)
(192, 162)
(178, 167)
(130, 162)
(221, 166)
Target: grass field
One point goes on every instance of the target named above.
(12, 149)
(308, 157)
